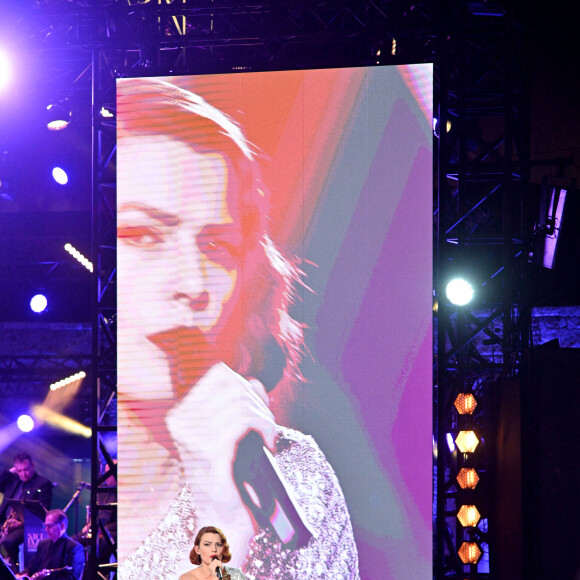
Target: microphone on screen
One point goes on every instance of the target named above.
(263, 489)
(218, 570)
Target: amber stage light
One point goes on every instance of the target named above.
(465, 403)
(470, 553)
(467, 478)
(469, 516)
(466, 441)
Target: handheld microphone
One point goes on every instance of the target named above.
(264, 491)
(218, 570)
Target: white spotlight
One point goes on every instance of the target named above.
(38, 303)
(25, 423)
(60, 175)
(459, 292)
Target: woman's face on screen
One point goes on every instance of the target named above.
(179, 245)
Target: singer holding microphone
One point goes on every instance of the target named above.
(210, 552)
(205, 333)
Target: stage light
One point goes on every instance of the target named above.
(60, 175)
(38, 303)
(468, 516)
(459, 292)
(64, 382)
(467, 478)
(5, 69)
(465, 403)
(25, 423)
(78, 256)
(470, 553)
(467, 441)
(58, 117)
(106, 113)
(551, 232)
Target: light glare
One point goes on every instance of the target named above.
(60, 175)
(459, 292)
(38, 303)
(5, 70)
(25, 423)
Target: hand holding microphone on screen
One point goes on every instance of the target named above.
(206, 426)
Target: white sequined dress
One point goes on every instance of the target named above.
(330, 553)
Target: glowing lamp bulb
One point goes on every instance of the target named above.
(38, 303)
(60, 176)
(25, 423)
(459, 292)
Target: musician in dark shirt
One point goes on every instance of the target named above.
(20, 482)
(58, 556)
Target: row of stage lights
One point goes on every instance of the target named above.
(48, 413)
(39, 302)
(467, 478)
(460, 293)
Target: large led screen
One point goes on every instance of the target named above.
(274, 321)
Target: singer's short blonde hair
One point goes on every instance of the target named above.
(195, 558)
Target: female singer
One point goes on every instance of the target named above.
(210, 552)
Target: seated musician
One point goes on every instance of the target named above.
(106, 528)
(19, 482)
(59, 556)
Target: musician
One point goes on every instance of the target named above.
(107, 496)
(58, 556)
(19, 482)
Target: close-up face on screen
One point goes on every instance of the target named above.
(274, 270)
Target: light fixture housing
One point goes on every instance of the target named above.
(468, 516)
(58, 116)
(467, 478)
(465, 403)
(470, 553)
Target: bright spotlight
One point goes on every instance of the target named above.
(5, 70)
(38, 303)
(58, 117)
(459, 292)
(60, 175)
(25, 423)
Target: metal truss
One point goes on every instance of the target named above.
(482, 234)
(481, 89)
(28, 376)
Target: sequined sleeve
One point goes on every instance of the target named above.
(331, 553)
(160, 553)
(234, 574)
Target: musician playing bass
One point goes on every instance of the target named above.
(19, 482)
(59, 556)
